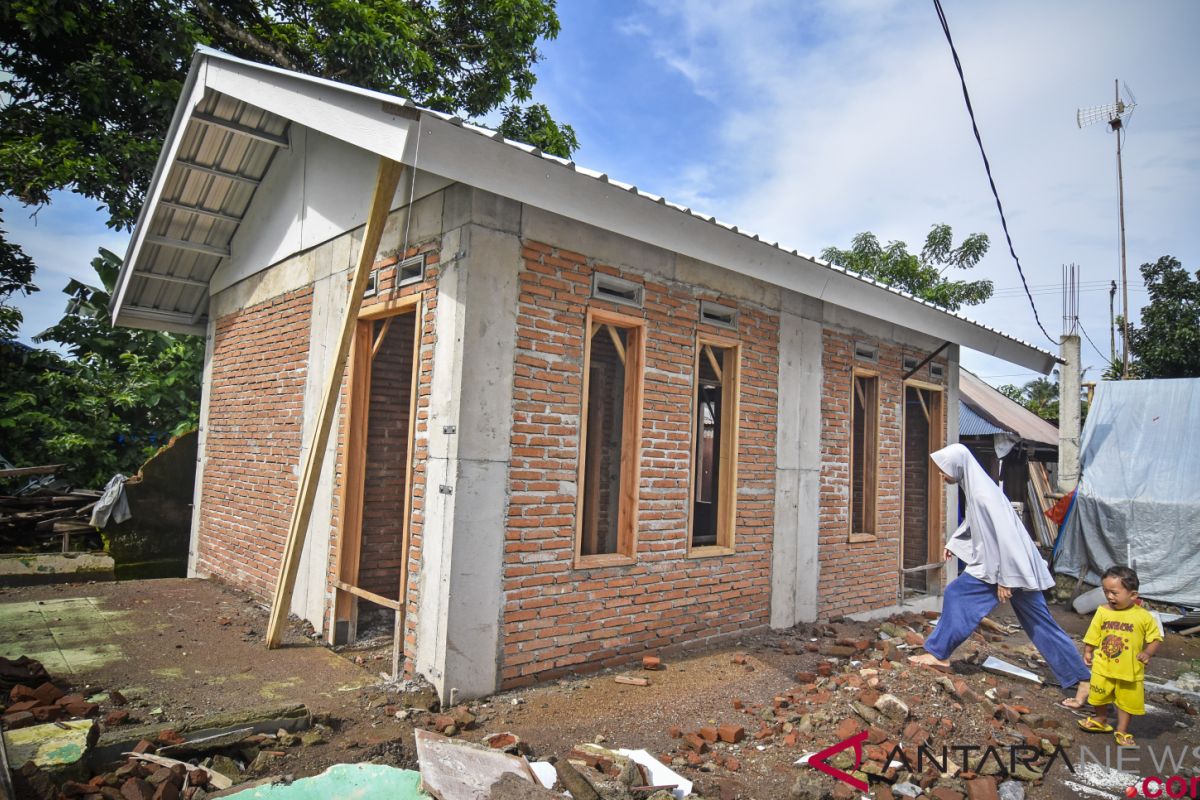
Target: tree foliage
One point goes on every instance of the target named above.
(109, 407)
(1039, 396)
(88, 87)
(16, 278)
(1167, 343)
(920, 275)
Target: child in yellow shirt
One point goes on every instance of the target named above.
(1120, 641)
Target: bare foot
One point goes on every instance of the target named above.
(929, 660)
(1072, 703)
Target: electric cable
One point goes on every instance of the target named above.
(987, 166)
(1093, 344)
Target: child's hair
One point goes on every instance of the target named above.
(1128, 578)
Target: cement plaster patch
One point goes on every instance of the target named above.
(347, 781)
(68, 635)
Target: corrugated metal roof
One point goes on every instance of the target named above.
(988, 403)
(971, 424)
(235, 150)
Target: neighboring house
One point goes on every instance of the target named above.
(579, 422)
(1014, 445)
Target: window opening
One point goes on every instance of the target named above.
(714, 454)
(864, 454)
(610, 437)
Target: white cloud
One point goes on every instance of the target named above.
(837, 118)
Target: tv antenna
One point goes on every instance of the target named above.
(1116, 114)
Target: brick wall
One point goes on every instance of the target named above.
(861, 575)
(256, 414)
(557, 618)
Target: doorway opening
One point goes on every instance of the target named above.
(922, 512)
(376, 498)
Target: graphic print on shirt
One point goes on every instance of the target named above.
(1113, 646)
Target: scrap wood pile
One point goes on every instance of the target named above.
(47, 520)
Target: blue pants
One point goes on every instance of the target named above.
(968, 600)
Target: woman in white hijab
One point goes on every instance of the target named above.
(1001, 564)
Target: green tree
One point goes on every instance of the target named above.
(1039, 396)
(919, 275)
(109, 407)
(88, 87)
(1167, 342)
(16, 277)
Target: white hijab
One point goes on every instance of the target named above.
(992, 539)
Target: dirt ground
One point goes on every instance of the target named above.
(181, 649)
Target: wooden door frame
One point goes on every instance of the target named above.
(935, 493)
(348, 552)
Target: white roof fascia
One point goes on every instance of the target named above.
(193, 92)
(358, 118)
(383, 124)
(447, 149)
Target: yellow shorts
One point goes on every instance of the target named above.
(1129, 696)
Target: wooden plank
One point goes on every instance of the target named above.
(387, 323)
(581, 469)
(406, 530)
(358, 591)
(617, 343)
(712, 362)
(386, 181)
(631, 681)
(17, 472)
(924, 407)
(631, 443)
(350, 500)
(731, 414)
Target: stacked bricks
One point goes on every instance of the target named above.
(859, 576)
(252, 445)
(558, 618)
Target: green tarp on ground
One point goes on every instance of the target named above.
(345, 782)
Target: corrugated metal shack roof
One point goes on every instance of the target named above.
(971, 424)
(218, 151)
(994, 408)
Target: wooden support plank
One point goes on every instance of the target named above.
(617, 343)
(924, 407)
(378, 599)
(862, 399)
(387, 323)
(349, 547)
(17, 472)
(386, 181)
(712, 362)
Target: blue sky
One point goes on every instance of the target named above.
(810, 122)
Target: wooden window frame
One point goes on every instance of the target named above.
(937, 486)
(727, 457)
(631, 439)
(873, 483)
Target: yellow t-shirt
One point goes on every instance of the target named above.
(1118, 636)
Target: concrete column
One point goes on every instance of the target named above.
(210, 338)
(1068, 416)
(794, 566)
(470, 423)
(952, 394)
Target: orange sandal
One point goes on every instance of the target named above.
(1093, 725)
(1124, 739)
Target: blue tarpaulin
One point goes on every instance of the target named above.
(1138, 502)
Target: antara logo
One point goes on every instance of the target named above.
(817, 761)
(973, 757)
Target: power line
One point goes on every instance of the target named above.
(987, 166)
(1093, 344)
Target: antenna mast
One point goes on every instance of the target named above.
(1115, 115)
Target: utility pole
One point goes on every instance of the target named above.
(1112, 323)
(1117, 126)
